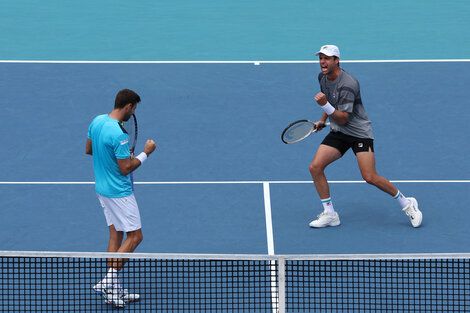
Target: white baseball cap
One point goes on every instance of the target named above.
(329, 50)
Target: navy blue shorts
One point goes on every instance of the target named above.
(343, 142)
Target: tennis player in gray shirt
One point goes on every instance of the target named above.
(340, 99)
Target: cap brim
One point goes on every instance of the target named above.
(322, 52)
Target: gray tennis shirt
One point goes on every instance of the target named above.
(344, 95)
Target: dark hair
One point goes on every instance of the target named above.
(125, 97)
(335, 57)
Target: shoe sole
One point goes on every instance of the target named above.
(105, 298)
(130, 301)
(419, 216)
(323, 226)
(419, 219)
(117, 306)
(125, 301)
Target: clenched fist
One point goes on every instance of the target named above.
(320, 98)
(150, 146)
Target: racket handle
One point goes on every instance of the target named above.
(325, 124)
(132, 173)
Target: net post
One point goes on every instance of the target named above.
(281, 268)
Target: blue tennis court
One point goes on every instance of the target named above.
(221, 122)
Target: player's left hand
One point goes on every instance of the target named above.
(320, 98)
(149, 147)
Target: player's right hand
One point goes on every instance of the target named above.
(319, 125)
(150, 146)
(320, 98)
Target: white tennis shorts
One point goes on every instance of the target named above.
(123, 213)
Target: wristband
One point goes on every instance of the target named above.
(142, 157)
(328, 108)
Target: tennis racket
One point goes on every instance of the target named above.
(298, 131)
(130, 126)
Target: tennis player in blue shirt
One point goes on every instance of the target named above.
(108, 143)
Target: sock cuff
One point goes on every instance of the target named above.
(326, 200)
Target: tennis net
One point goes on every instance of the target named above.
(62, 282)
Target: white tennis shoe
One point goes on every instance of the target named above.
(415, 215)
(119, 298)
(129, 297)
(324, 220)
(116, 299)
(116, 296)
(108, 295)
(102, 289)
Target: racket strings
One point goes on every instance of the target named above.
(297, 131)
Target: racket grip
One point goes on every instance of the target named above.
(132, 180)
(132, 173)
(324, 125)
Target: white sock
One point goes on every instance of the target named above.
(402, 199)
(328, 206)
(111, 278)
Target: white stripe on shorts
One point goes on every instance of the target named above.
(123, 212)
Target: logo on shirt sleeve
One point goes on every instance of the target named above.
(123, 142)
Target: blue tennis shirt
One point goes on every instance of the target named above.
(109, 143)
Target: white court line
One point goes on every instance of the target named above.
(230, 182)
(270, 243)
(269, 221)
(232, 62)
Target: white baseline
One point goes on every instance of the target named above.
(231, 62)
